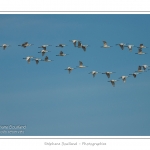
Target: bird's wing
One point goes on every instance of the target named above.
(141, 45)
(105, 43)
(24, 44)
(134, 75)
(61, 53)
(108, 75)
(124, 79)
(79, 44)
(74, 43)
(69, 70)
(80, 63)
(94, 74)
(37, 61)
(139, 67)
(122, 47)
(144, 67)
(84, 47)
(46, 57)
(44, 47)
(113, 83)
(43, 52)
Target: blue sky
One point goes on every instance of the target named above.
(49, 100)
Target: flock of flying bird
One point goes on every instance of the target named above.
(77, 43)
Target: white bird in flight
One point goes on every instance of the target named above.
(79, 44)
(134, 74)
(37, 60)
(61, 45)
(74, 42)
(28, 58)
(44, 46)
(69, 69)
(121, 45)
(129, 47)
(145, 67)
(105, 45)
(43, 52)
(93, 73)
(5, 46)
(113, 82)
(46, 59)
(84, 47)
(62, 54)
(140, 52)
(140, 69)
(108, 73)
(81, 65)
(142, 46)
(25, 44)
(124, 78)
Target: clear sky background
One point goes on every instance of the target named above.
(49, 100)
